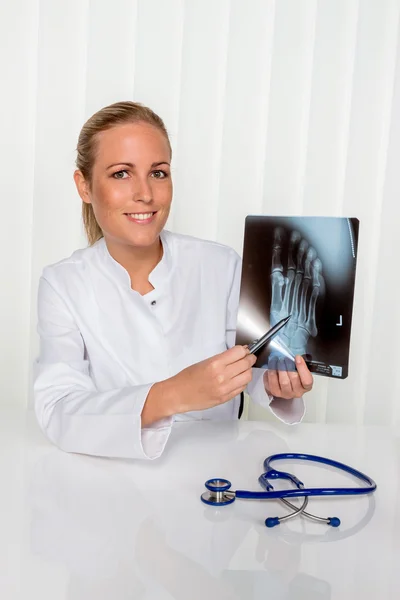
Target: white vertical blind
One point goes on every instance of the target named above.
(273, 107)
(18, 60)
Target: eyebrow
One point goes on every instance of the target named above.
(128, 164)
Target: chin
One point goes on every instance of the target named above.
(144, 243)
(145, 239)
(139, 236)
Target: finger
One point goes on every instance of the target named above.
(240, 381)
(234, 354)
(276, 388)
(297, 387)
(285, 383)
(305, 376)
(273, 361)
(240, 366)
(233, 393)
(273, 382)
(289, 365)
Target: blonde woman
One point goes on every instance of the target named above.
(137, 330)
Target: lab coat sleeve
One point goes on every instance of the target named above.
(291, 411)
(71, 412)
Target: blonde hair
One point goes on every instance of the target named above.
(115, 114)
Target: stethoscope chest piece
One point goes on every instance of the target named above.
(218, 493)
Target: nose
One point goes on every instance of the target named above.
(143, 191)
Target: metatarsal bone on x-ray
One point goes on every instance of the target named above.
(311, 255)
(317, 281)
(295, 237)
(292, 325)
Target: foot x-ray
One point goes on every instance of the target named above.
(304, 267)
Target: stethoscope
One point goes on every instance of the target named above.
(220, 494)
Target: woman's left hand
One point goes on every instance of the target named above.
(284, 383)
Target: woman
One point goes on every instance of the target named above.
(138, 329)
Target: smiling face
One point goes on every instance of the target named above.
(130, 188)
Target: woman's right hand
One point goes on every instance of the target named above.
(203, 385)
(213, 381)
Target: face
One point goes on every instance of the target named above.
(131, 187)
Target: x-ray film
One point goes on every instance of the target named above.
(304, 267)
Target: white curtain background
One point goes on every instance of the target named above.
(274, 107)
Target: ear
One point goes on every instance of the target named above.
(82, 186)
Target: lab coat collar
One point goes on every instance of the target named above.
(158, 275)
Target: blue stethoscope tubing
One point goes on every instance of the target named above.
(219, 493)
(298, 492)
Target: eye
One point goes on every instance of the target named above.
(159, 174)
(120, 174)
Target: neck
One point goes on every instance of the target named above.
(138, 261)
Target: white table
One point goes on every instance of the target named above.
(81, 528)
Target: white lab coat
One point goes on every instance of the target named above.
(103, 345)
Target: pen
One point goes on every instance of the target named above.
(257, 344)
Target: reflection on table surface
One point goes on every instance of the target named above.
(82, 527)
